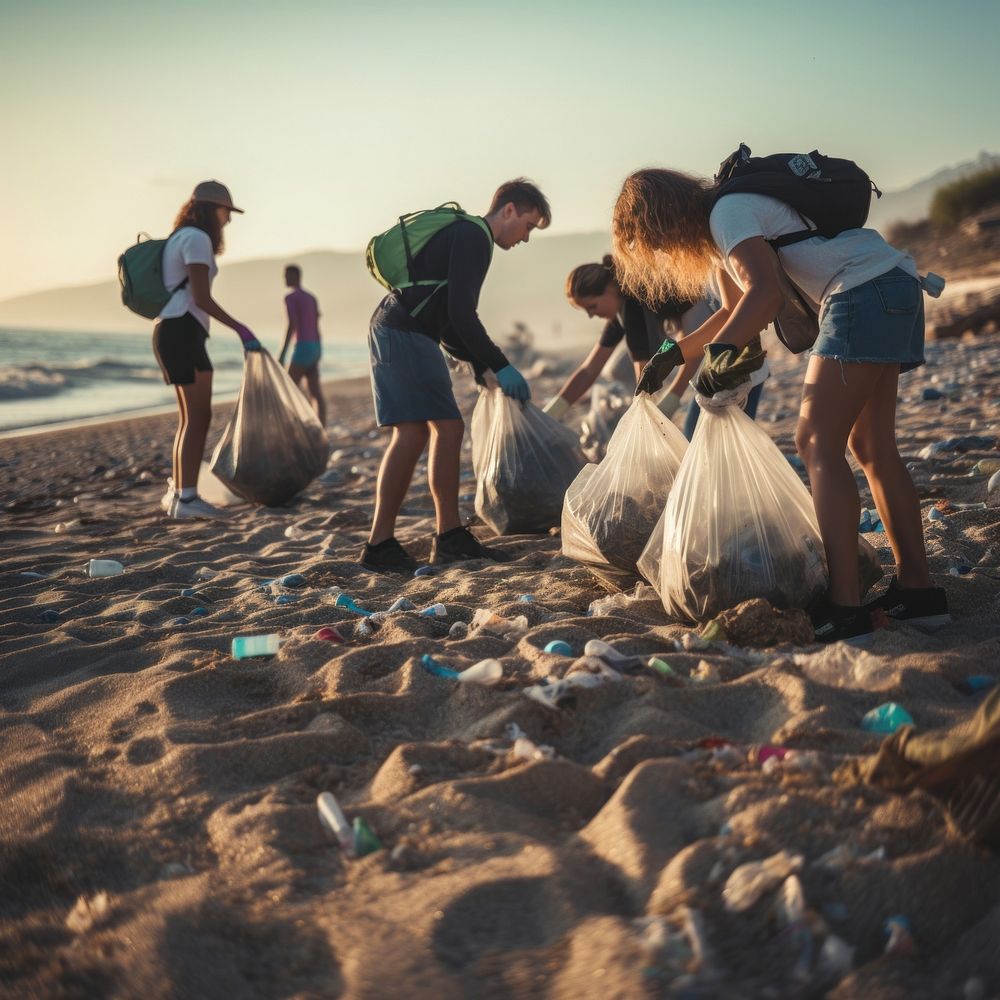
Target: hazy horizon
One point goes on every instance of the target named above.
(328, 121)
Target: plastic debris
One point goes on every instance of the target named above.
(976, 684)
(899, 937)
(329, 634)
(435, 611)
(365, 629)
(749, 882)
(424, 571)
(87, 913)
(284, 599)
(622, 662)
(553, 695)
(706, 673)
(559, 648)
(524, 747)
(458, 630)
(935, 515)
(48, 616)
(870, 521)
(244, 647)
(620, 602)
(401, 604)
(968, 442)
(486, 672)
(365, 841)
(180, 621)
(660, 666)
(335, 822)
(104, 567)
(32, 575)
(759, 755)
(526, 599)
(292, 580)
(886, 718)
(486, 621)
(343, 601)
(930, 394)
(959, 569)
(836, 958)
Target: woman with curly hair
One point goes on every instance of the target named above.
(670, 232)
(181, 333)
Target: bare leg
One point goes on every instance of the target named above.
(833, 397)
(197, 406)
(316, 393)
(873, 443)
(394, 476)
(443, 471)
(296, 374)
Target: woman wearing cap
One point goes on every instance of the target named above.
(594, 288)
(181, 332)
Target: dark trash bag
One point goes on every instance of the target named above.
(274, 446)
(524, 462)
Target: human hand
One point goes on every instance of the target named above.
(726, 366)
(512, 384)
(659, 366)
(247, 338)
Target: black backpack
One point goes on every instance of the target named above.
(835, 195)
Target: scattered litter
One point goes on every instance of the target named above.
(180, 621)
(458, 630)
(526, 599)
(524, 747)
(343, 601)
(886, 718)
(836, 958)
(559, 648)
(365, 841)
(660, 666)
(755, 878)
(335, 822)
(900, 937)
(486, 672)
(284, 599)
(329, 634)
(424, 571)
(48, 616)
(292, 580)
(435, 611)
(104, 567)
(248, 646)
(553, 695)
(32, 575)
(486, 621)
(969, 442)
(976, 684)
(88, 913)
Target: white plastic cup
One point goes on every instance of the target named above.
(333, 819)
(245, 646)
(104, 567)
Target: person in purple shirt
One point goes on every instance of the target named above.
(303, 324)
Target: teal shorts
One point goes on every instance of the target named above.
(308, 354)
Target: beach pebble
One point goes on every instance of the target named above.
(181, 621)
(48, 616)
(174, 869)
(993, 485)
(458, 630)
(284, 599)
(929, 394)
(526, 599)
(199, 612)
(189, 592)
(292, 580)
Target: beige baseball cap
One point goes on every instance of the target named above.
(215, 193)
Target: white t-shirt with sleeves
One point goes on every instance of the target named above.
(186, 246)
(819, 267)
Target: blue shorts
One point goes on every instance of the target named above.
(410, 378)
(880, 322)
(307, 354)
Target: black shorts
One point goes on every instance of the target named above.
(179, 346)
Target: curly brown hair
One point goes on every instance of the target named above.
(590, 279)
(659, 232)
(202, 215)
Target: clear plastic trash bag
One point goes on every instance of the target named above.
(524, 461)
(608, 404)
(274, 446)
(738, 524)
(611, 509)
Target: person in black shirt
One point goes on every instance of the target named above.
(410, 379)
(593, 288)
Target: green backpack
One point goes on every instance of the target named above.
(140, 273)
(390, 254)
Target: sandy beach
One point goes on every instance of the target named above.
(159, 835)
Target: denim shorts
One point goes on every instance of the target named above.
(307, 353)
(410, 378)
(880, 322)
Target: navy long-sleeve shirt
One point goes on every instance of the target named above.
(641, 326)
(461, 254)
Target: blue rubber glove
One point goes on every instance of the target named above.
(247, 338)
(512, 384)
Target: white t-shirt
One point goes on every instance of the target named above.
(187, 246)
(819, 267)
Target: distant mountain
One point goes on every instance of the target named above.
(525, 285)
(913, 203)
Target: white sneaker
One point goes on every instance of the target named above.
(194, 508)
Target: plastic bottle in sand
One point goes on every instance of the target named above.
(334, 820)
(104, 567)
(245, 646)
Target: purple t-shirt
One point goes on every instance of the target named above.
(303, 315)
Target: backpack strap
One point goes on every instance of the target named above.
(173, 291)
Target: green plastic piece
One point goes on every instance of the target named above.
(365, 841)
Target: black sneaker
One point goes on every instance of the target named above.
(460, 543)
(923, 606)
(387, 557)
(837, 623)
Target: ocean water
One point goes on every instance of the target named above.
(50, 376)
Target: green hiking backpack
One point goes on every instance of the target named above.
(390, 254)
(140, 273)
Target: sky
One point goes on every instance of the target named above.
(329, 119)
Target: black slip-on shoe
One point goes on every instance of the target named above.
(838, 623)
(926, 607)
(387, 557)
(459, 544)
